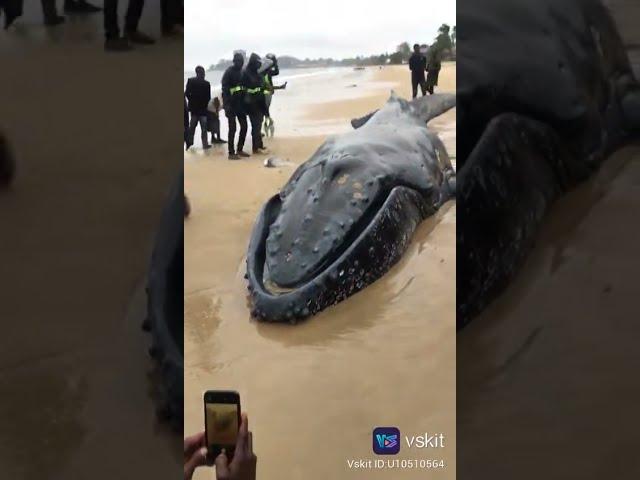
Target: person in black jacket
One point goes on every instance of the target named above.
(233, 103)
(418, 66)
(198, 93)
(254, 99)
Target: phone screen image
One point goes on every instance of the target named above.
(222, 426)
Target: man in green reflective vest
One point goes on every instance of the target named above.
(233, 101)
(269, 89)
(254, 100)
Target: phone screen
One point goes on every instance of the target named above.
(222, 427)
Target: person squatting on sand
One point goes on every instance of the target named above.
(241, 467)
(418, 65)
(198, 94)
(234, 108)
(213, 120)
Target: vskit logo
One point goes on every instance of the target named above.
(386, 440)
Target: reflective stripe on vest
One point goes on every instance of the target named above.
(253, 91)
(237, 89)
(267, 85)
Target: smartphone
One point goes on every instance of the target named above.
(221, 421)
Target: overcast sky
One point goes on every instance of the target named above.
(311, 28)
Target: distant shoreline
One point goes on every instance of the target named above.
(309, 67)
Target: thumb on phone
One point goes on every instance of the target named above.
(198, 458)
(222, 466)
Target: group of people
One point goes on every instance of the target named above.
(171, 12)
(419, 64)
(246, 92)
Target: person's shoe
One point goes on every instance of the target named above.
(233, 156)
(243, 154)
(80, 6)
(141, 38)
(206, 146)
(54, 20)
(173, 31)
(117, 44)
(9, 19)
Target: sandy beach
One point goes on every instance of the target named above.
(551, 365)
(77, 228)
(386, 356)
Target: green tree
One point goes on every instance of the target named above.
(443, 40)
(404, 50)
(396, 58)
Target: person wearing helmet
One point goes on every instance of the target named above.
(254, 100)
(233, 103)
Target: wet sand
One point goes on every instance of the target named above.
(315, 391)
(549, 370)
(76, 393)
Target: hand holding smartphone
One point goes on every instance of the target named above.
(222, 421)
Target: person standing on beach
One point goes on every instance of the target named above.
(254, 99)
(114, 42)
(269, 90)
(418, 66)
(433, 70)
(198, 93)
(233, 104)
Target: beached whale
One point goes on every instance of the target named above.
(545, 92)
(165, 313)
(348, 213)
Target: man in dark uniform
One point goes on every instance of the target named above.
(418, 66)
(254, 100)
(198, 93)
(113, 41)
(233, 103)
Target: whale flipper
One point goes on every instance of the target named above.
(358, 122)
(429, 107)
(426, 108)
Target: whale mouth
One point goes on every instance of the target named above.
(376, 243)
(356, 230)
